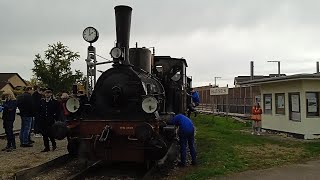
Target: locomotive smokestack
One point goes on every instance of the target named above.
(123, 23)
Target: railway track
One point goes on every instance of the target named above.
(129, 171)
(69, 168)
(114, 171)
(59, 168)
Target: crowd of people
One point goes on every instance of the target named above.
(38, 110)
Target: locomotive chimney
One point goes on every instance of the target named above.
(123, 23)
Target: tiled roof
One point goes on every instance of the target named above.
(4, 77)
(3, 84)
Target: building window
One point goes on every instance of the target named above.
(312, 102)
(280, 105)
(267, 100)
(294, 107)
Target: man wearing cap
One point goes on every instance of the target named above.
(26, 107)
(49, 112)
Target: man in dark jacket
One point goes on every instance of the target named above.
(186, 136)
(37, 96)
(49, 113)
(26, 107)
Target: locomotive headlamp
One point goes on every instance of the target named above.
(72, 105)
(149, 104)
(116, 52)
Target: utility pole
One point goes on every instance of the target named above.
(251, 78)
(278, 66)
(214, 98)
(215, 81)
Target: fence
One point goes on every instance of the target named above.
(235, 107)
(239, 100)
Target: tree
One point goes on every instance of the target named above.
(34, 81)
(54, 70)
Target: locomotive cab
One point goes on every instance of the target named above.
(172, 74)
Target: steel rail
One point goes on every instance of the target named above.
(31, 172)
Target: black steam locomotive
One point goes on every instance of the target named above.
(125, 119)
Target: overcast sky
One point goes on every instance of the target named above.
(218, 38)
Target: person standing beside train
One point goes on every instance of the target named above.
(8, 116)
(195, 102)
(26, 107)
(256, 119)
(186, 136)
(37, 96)
(49, 112)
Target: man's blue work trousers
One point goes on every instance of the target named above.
(187, 138)
(25, 129)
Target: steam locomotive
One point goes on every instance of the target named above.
(125, 119)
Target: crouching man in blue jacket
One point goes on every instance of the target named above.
(186, 135)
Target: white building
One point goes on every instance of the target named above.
(291, 104)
